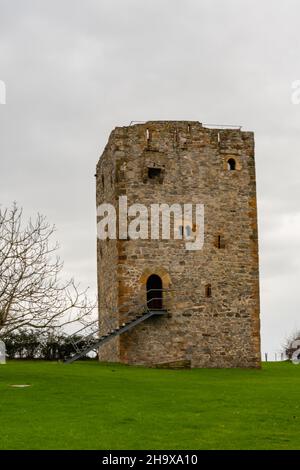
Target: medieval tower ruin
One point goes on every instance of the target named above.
(207, 300)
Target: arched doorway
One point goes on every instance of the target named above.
(154, 292)
(231, 164)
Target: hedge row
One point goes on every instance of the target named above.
(40, 345)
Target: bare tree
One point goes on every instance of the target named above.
(291, 344)
(32, 293)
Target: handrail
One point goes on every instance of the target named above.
(91, 335)
(109, 322)
(144, 306)
(114, 310)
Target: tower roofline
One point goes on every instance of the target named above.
(171, 123)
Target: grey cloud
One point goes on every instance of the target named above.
(74, 70)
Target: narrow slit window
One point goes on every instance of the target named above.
(180, 231)
(188, 231)
(221, 242)
(208, 290)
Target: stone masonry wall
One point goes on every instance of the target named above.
(107, 259)
(217, 331)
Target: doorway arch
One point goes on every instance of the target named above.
(154, 287)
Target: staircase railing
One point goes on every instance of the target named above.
(108, 327)
(96, 330)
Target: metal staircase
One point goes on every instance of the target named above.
(95, 339)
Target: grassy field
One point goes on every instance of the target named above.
(91, 406)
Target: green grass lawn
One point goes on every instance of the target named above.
(91, 406)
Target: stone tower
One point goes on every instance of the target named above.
(210, 295)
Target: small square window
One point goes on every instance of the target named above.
(154, 173)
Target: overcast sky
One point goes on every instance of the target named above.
(75, 69)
